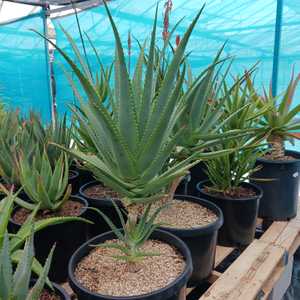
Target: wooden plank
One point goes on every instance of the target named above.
(289, 239)
(246, 276)
(276, 287)
(222, 253)
(273, 232)
(215, 275)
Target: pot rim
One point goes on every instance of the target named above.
(186, 273)
(206, 229)
(57, 288)
(104, 201)
(276, 162)
(256, 187)
(74, 173)
(83, 210)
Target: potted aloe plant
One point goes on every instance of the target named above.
(16, 283)
(49, 193)
(228, 185)
(280, 167)
(18, 238)
(10, 126)
(133, 141)
(45, 135)
(210, 128)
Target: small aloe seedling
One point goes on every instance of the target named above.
(46, 186)
(16, 285)
(133, 235)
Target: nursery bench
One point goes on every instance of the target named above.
(262, 271)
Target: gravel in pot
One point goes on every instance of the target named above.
(94, 274)
(195, 221)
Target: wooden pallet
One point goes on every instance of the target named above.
(259, 268)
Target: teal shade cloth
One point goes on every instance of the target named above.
(24, 82)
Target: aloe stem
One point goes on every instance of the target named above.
(276, 143)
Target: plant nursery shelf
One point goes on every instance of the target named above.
(258, 269)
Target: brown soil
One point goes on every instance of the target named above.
(185, 215)
(99, 191)
(46, 295)
(10, 187)
(236, 193)
(286, 157)
(100, 273)
(70, 208)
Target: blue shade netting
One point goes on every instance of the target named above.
(246, 26)
(23, 66)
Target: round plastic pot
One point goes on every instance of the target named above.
(103, 204)
(58, 290)
(189, 183)
(67, 237)
(240, 215)
(201, 241)
(174, 291)
(74, 180)
(281, 191)
(84, 175)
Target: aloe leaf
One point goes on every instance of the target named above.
(78, 55)
(5, 269)
(6, 207)
(147, 97)
(36, 267)
(39, 285)
(21, 277)
(127, 111)
(170, 75)
(112, 226)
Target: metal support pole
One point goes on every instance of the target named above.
(52, 104)
(277, 42)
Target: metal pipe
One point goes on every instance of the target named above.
(52, 105)
(277, 42)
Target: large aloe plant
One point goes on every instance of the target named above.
(15, 285)
(135, 136)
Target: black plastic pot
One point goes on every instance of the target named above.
(240, 215)
(67, 236)
(84, 175)
(58, 290)
(281, 193)
(201, 241)
(103, 204)
(188, 185)
(173, 291)
(74, 180)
